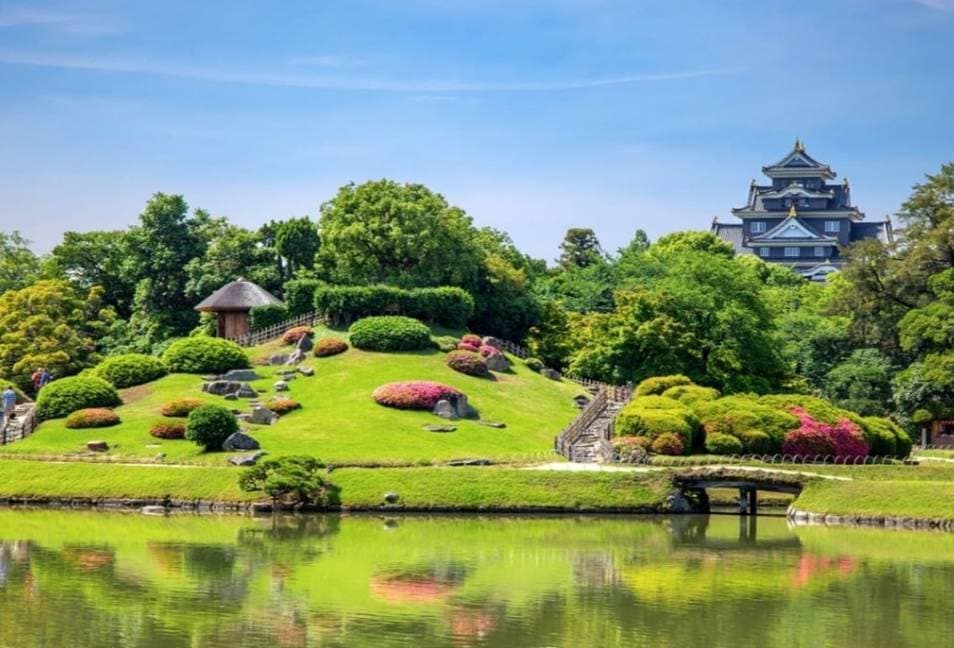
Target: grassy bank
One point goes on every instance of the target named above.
(911, 499)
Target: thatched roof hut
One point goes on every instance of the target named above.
(232, 302)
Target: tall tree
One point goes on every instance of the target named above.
(580, 248)
(231, 252)
(296, 240)
(98, 259)
(19, 267)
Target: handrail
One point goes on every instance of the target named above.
(564, 442)
(21, 426)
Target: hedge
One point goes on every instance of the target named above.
(690, 394)
(201, 354)
(448, 306)
(210, 425)
(658, 384)
(653, 423)
(93, 417)
(467, 362)
(390, 333)
(300, 295)
(66, 395)
(129, 370)
(741, 415)
(723, 444)
(261, 317)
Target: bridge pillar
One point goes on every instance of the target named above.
(748, 501)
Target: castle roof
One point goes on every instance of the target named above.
(798, 163)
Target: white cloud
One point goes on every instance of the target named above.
(334, 83)
(79, 24)
(941, 5)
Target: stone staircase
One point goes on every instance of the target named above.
(589, 446)
(20, 425)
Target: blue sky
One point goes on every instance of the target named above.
(532, 115)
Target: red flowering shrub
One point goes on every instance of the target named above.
(168, 430)
(181, 406)
(94, 417)
(330, 346)
(467, 362)
(473, 340)
(282, 406)
(668, 444)
(489, 351)
(418, 394)
(466, 346)
(813, 437)
(292, 335)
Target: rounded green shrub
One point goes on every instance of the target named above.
(129, 370)
(93, 417)
(883, 436)
(756, 442)
(180, 406)
(737, 414)
(66, 395)
(210, 425)
(390, 333)
(164, 430)
(330, 346)
(201, 354)
(467, 362)
(658, 384)
(723, 444)
(446, 343)
(534, 364)
(659, 403)
(652, 423)
(689, 394)
(668, 444)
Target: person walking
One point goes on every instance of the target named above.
(35, 379)
(45, 378)
(8, 400)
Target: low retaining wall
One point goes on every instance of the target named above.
(797, 517)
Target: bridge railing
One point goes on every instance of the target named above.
(830, 460)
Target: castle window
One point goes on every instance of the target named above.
(820, 251)
(758, 227)
(791, 251)
(832, 227)
(763, 252)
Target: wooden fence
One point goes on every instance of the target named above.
(277, 330)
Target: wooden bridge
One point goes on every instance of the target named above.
(695, 483)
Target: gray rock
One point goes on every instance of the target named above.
(498, 362)
(469, 462)
(263, 416)
(296, 357)
(552, 374)
(492, 424)
(280, 386)
(153, 510)
(305, 344)
(444, 409)
(232, 396)
(391, 497)
(491, 341)
(440, 428)
(97, 446)
(244, 418)
(278, 359)
(239, 375)
(581, 401)
(247, 460)
(240, 441)
(676, 502)
(221, 387)
(306, 371)
(288, 375)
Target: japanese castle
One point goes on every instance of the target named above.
(800, 219)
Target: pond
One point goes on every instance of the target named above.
(109, 579)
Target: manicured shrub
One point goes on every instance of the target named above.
(814, 437)
(294, 334)
(420, 394)
(468, 363)
(668, 444)
(180, 406)
(818, 408)
(740, 414)
(261, 317)
(885, 437)
(94, 417)
(660, 403)
(300, 295)
(756, 442)
(534, 364)
(723, 444)
(466, 346)
(652, 423)
(281, 405)
(658, 384)
(446, 343)
(66, 395)
(390, 333)
(448, 306)
(164, 430)
(202, 354)
(289, 481)
(689, 394)
(632, 449)
(210, 425)
(472, 339)
(330, 346)
(129, 370)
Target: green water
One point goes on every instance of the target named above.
(95, 579)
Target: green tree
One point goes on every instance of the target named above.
(930, 328)
(928, 385)
(691, 241)
(98, 259)
(580, 248)
(19, 267)
(861, 383)
(231, 252)
(407, 235)
(296, 240)
(50, 324)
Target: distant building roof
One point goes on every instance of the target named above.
(240, 295)
(731, 233)
(880, 230)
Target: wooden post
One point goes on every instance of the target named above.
(753, 502)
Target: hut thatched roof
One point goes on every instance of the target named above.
(240, 295)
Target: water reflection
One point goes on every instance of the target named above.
(85, 579)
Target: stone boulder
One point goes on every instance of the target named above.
(97, 446)
(454, 407)
(581, 401)
(246, 391)
(306, 371)
(305, 344)
(296, 357)
(232, 396)
(498, 362)
(240, 441)
(391, 497)
(552, 374)
(491, 341)
(221, 387)
(440, 428)
(278, 359)
(492, 424)
(263, 416)
(248, 459)
(280, 386)
(239, 375)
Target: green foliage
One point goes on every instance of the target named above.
(446, 343)
(884, 437)
(180, 406)
(66, 395)
(689, 394)
(129, 370)
(861, 383)
(19, 267)
(448, 306)
(294, 480)
(50, 324)
(743, 415)
(503, 302)
(580, 248)
(204, 355)
(90, 259)
(723, 444)
(652, 422)
(390, 333)
(534, 364)
(691, 241)
(93, 417)
(669, 443)
(296, 239)
(230, 252)
(210, 425)
(659, 384)
(928, 385)
(262, 317)
(300, 295)
(930, 328)
(467, 362)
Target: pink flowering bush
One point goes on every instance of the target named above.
(813, 437)
(489, 351)
(472, 340)
(466, 346)
(418, 394)
(467, 362)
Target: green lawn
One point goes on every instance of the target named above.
(339, 422)
(915, 499)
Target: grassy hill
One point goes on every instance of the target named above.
(339, 422)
